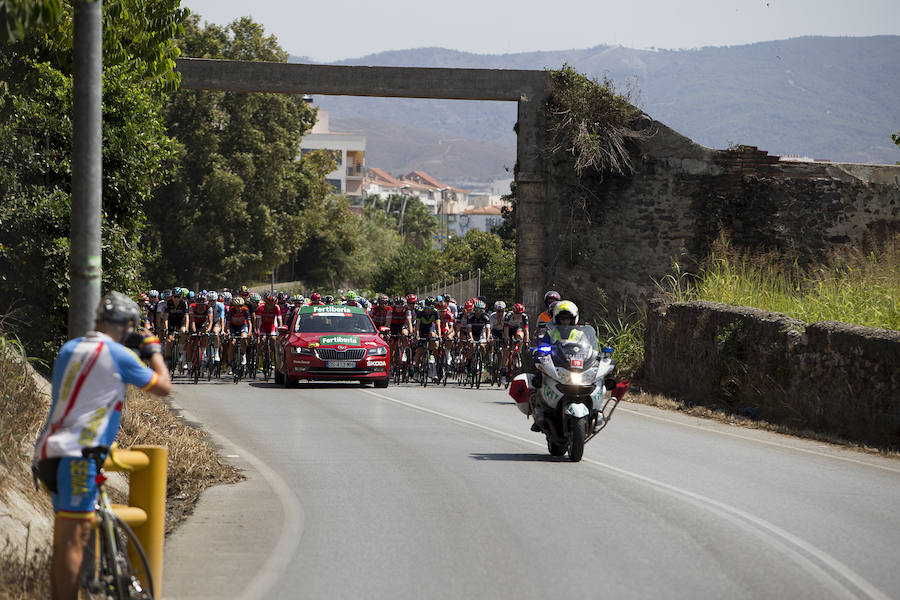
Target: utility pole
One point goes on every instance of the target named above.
(85, 266)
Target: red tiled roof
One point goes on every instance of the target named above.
(485, 210)
(382, 175)
(428, 179)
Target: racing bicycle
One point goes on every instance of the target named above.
(114, 564)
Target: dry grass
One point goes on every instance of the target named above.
(194, 463)
(23, 572)
(723, 416)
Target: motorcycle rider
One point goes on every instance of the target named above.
(544, 319)
(565, 314)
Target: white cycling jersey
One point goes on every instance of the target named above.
(89, 379)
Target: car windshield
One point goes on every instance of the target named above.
(334, 323)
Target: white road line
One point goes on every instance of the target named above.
(799, 549)
(281, 556)
(759, 441)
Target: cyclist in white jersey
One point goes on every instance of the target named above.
(88, 391)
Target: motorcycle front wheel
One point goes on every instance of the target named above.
(576, 442)
(555, 449)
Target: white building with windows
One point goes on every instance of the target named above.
(349, 151)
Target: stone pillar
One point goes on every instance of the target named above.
(531, 198)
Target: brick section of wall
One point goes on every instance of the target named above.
(828, 377)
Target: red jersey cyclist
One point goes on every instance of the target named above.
(240, 326)
(269, 318)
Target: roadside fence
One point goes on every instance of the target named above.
(459, 288)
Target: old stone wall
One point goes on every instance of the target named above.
(827, 377)
(605, 240)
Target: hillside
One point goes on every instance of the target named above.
(825, 97)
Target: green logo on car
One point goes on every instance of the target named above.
(334, 340)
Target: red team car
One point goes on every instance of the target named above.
(332, 342)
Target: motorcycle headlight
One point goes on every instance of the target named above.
(379, 351)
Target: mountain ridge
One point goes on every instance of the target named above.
(831, 98)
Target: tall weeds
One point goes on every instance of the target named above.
(625, 333)
(850, 286)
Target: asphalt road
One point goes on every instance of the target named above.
(445, 493)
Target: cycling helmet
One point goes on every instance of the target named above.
(480, 305)
(238, 301)
(298, 298)
(430, 301)
(178, 292)
(212, 297)
(442, 304)
(167, 294)
(255, 297)
(281, 296)
(153, 294)
(411, 299)
(551, 297)
(191, 295)
(518, 308)
(399, 301)
(116, 307)
(382, 299)
(329, 299)
(564, 307)
(245, 290)
(469, 305)
(499, 305)
(351, 295)
(227, 296)
(203, 296)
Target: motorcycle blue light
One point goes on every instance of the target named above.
(607, 350)
(544, 348)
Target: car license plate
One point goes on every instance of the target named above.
(340, 364)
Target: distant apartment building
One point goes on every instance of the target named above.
(349, 151)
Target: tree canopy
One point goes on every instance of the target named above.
(236, 207)
(35, 158)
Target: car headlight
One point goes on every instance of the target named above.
(379, 351)
(302, 351)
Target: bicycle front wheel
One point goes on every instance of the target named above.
(115, 567)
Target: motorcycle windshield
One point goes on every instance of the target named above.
(573, 347)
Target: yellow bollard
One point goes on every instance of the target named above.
(146, 510)
(147, 491)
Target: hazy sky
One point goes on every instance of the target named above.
(328, 30)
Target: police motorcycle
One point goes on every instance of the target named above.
(574, 394)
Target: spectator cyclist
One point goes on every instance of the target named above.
(90, 374)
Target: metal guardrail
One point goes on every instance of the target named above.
(146, 509)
